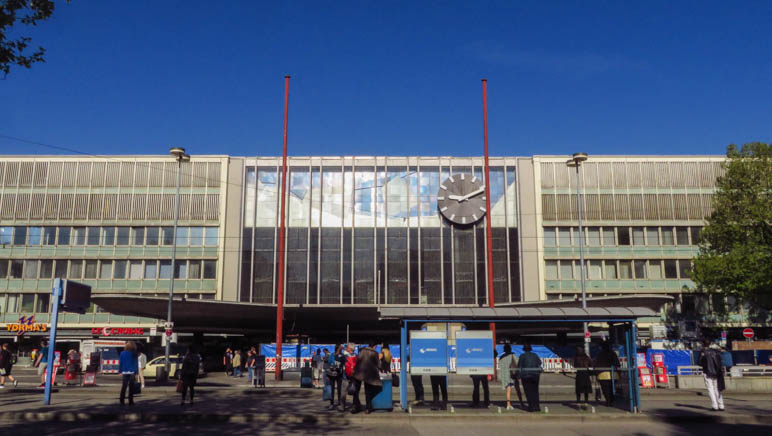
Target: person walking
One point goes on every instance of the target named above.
(366, 371)
(141, 363)
(507, 370)
(529, 366)
(607, 362)
(237, 363)
(189, 374)
(713, 373)
(128, 365)
(583, 382)
(334, 374)
(41, 362)
(6, 364)
(317, 366)
(227, 361)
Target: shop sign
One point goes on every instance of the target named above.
(27, 324)
(118, 331)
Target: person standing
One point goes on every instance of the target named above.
(189, 374)
(237, 363)
(41, 362)
(334, 374)
(418, 387)
(141, 363)
(352, 387)
(227, 361)
(583, 383)
(439, 384)
(128, 365)
(6, 364)
(367, 372)
(608, 362)
(317, 366)
(710, 361)
(529, 366)
(385, 358)
(251, 366)
(508, 375)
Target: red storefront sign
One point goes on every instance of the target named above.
(118, 331)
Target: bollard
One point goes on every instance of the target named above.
(499, 410)
(593, 409)
(546, 409)
(452, 409)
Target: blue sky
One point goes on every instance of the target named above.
(395, 78)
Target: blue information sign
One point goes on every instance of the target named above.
(428, 352)
(474, 352)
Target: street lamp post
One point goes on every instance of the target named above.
(576, 161)
(179, 154)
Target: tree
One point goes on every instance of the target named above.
(12, 49)
(735, 255)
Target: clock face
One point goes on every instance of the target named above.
(461, 199)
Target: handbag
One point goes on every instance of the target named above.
(351, 389)
(179, 385)
(394, 380)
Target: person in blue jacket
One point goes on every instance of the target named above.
(128, 367)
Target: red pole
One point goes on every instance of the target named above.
(280, 287)
(488, 238)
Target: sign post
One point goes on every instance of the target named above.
(474, 355)
(748, 333)
(428, 352)
(56, 292)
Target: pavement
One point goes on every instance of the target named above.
(221, 399)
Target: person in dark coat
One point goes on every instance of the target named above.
(6, 365)
(189, 374)
(439, 384)
(334, 374)
(366, 372)
(606, 360)
(529, 366)
(713, 373)
(418, 387)
(583, 385)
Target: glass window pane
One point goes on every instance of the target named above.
(211, 236)
(106, 270)
(108, 236)
(682, 235)
(640, 269)
(6, 235)
(638, 238)
(655, 269)
(13, 302)
(182, 236)
(667, 236)
(196, 236)
(550, 239)
(152, 236)
(27, 303)
(49, 236)
(123, 236)
(210, 269)
(92, 235)
(696, 235)
(30, 269)
(608, 236)
(138, 236)
(595, 269)
(120, 269)
(167, 235)
(79, 236)
(76, 269)
(566, 270)
(671, 269)
(552, 269)
(180, 269)
(42, 303)
(165, 270)
(624, 235)
(625, 269)
(151, 268)
(652, 236)
(564, 236)
(35, 235)
(64, 236)
(90, 270)
(611, 269)
(593, 236)
(194, 269)
(683, 268)
(135, 269)
(60, 270)
(3, 269)
(19, 235)
(46, 268)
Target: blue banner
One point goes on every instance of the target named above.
(474, 353)
(428, 353)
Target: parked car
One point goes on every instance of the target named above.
(176, 365)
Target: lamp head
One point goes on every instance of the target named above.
(577, 159)
(179, 153)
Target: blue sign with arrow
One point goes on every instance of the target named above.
(474, 353)
(428, 352)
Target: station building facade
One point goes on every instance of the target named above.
(362, 232)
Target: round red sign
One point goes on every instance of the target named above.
(748, 333)
(169, 332)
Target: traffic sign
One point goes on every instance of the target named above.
(587, 334)
(748, 333)
(168, 332)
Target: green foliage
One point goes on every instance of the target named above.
(735, 255)
(28, 13)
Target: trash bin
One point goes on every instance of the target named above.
(383, 400)
(161, 376)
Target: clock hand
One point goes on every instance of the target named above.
(472, 194)
(456, 197)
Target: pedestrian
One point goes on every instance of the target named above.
(607, 364)
(142, 363)
(317, 366)
(367, 372)
(189, 373)
(418, 387)
(128, 367)
(259, 380)
(6, 364)
(710, 360)
(251, 366)
(236, 363)
(529, 366)
(41, 362)
(385, 358)
(583, 382)
(334, 374)
(509, 376)
(439, 384)
(227, 361)
(72, 368)
(348, 371)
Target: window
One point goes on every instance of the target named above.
(564, 236)
(123, 236)
(652, 236)
(625, 269)
(60, 270)
(138, 236)
(35, 235)
(196, 236)
(13, 301)
(640, 269)
(76, 269)
(151, 268)
(180, 269)
(667, 236)
(106, 270)
(152, 236)
(108, 236)
(638, 238)
(593, 236)
(551, 269)
(119, 268)
(671, 269)
(611, 269)
(92, 235)
(165, 270)
(624, 235)
(211, 236)
(577, 236)
(655, 269)
(79, 236)
(6, 235)
(194, 269)
(566, 269)
(42, 303)
(682, 235)
(90, 270)
(30, 269)
(49, 236)
(549, 237)
(210, 269)
(696, 235)
(19, 236)
(27, 303)
(167, 235)
(595, 269)
(135, 269)
(683, 268)
(3, 268)
(64, 236)
(608, 236)
(46, 268)
(182, 236)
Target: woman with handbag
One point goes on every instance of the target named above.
(334, 373)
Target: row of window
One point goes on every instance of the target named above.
(653, 269)
(108, 236)
(622, 236)
(25, 304)
(107, 269)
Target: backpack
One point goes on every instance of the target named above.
(333, 367)
(351, 362)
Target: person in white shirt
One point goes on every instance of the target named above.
(142, 363)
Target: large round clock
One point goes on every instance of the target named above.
(461, 199)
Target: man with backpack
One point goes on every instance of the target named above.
(352, 387)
